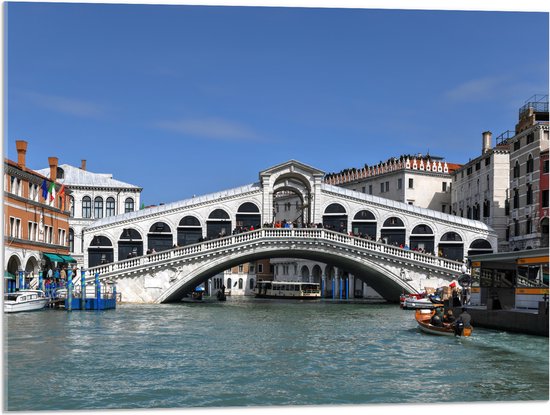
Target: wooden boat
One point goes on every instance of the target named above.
(25, 300)
(288, 290)
(423, 318)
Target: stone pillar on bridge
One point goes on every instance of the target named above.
(315, 200)
(267, 202)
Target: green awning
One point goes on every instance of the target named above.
(67, 258)
(9, 275)
(54, 257)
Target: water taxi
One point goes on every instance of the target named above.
(25, 300)
(287, 289)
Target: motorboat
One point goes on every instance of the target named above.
(287, 289)
(414, 303)
(423, 318)
(25, 300)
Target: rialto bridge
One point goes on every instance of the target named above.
(392, 246)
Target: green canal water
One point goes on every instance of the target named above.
(253, 352)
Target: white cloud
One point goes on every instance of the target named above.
(65, 105)
(478, 89)
(211, 128)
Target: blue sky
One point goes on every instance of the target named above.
(185, 100)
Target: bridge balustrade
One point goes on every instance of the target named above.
(277, 233)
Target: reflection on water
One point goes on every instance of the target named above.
(247, 352)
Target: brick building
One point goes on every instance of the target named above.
(35, 227)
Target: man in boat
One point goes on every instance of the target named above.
(437, 318)
(463, 320)
(449, 317)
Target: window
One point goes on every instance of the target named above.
(363, 189)
(86, 207)
(469, 170)
(530, 164)
(507, 207)
(528, 226)
(229, 283)
(443, 208)
(545, 167)
(486, 209)
(251, 283)
(240, 283)
(370, 189)
(516, 227)
(61, 236)
(33, 231)
(33, 192)
(251, 268)
(98, 207)
(478, 165)
(71, 240)
(517, 144)
(529, 195)
(444, 186)
(488, 161)
(381, 187)
(399, 184)
(507, 233)
(544, 201)
(128, 205)
(516, 199)
(260, 268)
(48, 234)
(241, 267)
(516, 170)
(387, 186)
(530, 138)
(110, 209)
(411, 183)
(15, 227)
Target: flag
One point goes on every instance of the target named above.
(51, 190)
(61, 194)
(44, 189)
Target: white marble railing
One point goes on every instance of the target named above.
(213, 246)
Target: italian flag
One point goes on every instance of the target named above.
(51, 191)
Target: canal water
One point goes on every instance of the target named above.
(254, 352)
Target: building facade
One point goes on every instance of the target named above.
(423, 181)
(480, 188)
(528, 219)
(36, 221)
(94, 196)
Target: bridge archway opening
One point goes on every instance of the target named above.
(393, 231)
(100, 251)
(335, 218)
(317, 274)
(130, 244)
(189, 231)
(451, 246)
(218, 224)
(160, 237)
(480, 247)
(295, 189)
(422, 238)
(364, 224)
(248, 216)
(304, 273)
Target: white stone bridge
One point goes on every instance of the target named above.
(198, 226)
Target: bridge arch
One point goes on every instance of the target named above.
(130, 244)
(248, 216)
(160, 237)
(218, 224)
(335, 217)
(451, 246)
(386, 283)
(422, 238)
(364, 224)
(189, 230)
(100, 251)
(393, 231)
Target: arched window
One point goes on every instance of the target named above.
(516, 199)
(71, 240)
(364, 224)
(240, 283)
(229, 283)
(529, 195)
(71, 202)
(479, 247)
(251, 283)
(86, 207)
(335, 208)
(516, 170)
(422, 239)
(110, 207)
(218, 224)
(335, 218)
(128, 205)
(530, 164)
(248, 216)
(486, 208)
(98, 207)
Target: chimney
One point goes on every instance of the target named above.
(53, 168)
(486, 142)
(21, 152)
(83, 165)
